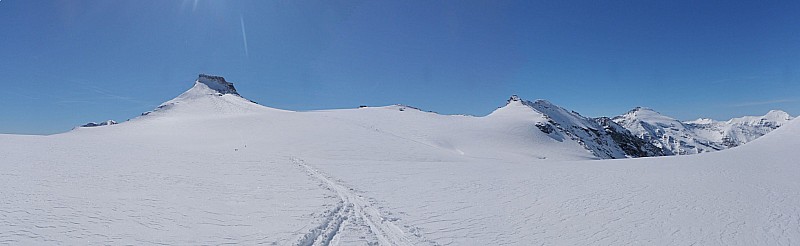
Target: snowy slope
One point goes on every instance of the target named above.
(743, 196)
(604, 138)
(583, 130)
(702, 135)
(211, 167)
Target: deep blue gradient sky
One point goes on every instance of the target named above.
(64, 63)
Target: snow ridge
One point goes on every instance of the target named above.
(600, 136)
(581, 129)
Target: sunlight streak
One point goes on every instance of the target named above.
(244, 37)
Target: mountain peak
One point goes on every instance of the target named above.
(773, 117)
(537, 105)
(204, 96)
(516, 106)
(645, 114)
(701, 121)
(517, 99)
(642, 109)
(217, 83)
(778, 115)
(543, 102)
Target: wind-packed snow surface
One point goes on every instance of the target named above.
(211, 167)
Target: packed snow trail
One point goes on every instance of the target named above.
(353, 210)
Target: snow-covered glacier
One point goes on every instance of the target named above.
(211, 167)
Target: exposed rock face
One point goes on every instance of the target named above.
(217, 83)
(95, 124)
(630, 144)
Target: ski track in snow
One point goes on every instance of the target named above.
(352, 214)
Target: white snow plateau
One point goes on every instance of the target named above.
(211, 167)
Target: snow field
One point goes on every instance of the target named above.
(212, 168)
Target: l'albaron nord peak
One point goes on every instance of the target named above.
(641, 132)
(210, 94)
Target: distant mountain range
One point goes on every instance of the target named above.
(641, 132)
(703, 135)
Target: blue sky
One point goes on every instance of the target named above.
(64, 63)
